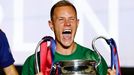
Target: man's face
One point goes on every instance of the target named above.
(64, 24)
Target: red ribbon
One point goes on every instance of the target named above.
(45, 59)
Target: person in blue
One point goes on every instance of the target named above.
(6, 58)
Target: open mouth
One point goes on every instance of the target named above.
(67, 34)
(66, 31)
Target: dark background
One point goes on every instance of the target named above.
(124, 70)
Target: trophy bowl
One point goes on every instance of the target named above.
(77, 67)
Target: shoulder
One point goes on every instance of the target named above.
(29, 62)
(30, 59)
(3, 37)
(2, 33)
(83, 48)
(89, 53)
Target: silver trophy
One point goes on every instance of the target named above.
(73, 67)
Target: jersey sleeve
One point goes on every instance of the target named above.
(6, 57)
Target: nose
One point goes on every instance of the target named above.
(67, 23)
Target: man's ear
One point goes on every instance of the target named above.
(51, 25)
(77, 22)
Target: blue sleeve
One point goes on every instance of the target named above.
(6, 57)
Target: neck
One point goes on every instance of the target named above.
(66, 50)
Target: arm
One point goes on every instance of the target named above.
(6, 58)
(10, 70)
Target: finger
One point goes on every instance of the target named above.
(111, 72)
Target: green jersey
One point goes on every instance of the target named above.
(80, 53)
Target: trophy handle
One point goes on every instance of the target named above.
(44, 51)
(95, 49)
(36, 57)
(114, 54)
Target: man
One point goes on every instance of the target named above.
(6, 59)
(64, 23)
